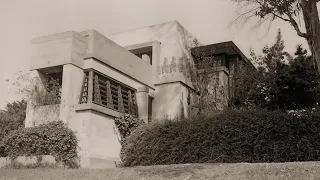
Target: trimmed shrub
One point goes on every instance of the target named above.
(53, 139)
(231, 137)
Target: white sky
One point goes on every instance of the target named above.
(208, 20)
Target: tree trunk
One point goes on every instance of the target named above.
(312, 24)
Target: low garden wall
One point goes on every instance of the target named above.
(45, 159)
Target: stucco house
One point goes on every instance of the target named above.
(140, 72)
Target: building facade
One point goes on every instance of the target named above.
(142, 72)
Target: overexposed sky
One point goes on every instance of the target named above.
(208, 20)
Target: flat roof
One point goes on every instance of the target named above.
(220, 48)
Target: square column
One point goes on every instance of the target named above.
(142, 102)
(71, 89)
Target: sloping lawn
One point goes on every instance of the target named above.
(290, 171)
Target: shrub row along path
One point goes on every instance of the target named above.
(292, 171)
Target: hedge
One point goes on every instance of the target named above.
(231, 137)
(53, 139)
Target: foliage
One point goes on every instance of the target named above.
(297, 85)
(49, 95)
(255, 88)
(281, 82)
(210, 94)
(11, 119)
(53, 139)
(231, 137)
(125, 125)
(39, 92)
(289, 11)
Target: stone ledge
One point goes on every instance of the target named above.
(178, 77)
(97, 108)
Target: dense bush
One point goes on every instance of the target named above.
(231, 137)
(49, 139)
(11, 118)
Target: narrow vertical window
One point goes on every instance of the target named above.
(150, 99)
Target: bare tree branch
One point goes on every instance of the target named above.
(288, 11)
(294, 23)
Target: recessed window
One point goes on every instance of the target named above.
(54, 83)
(52, 79)
(140, 52)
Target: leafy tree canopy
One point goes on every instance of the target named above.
(279, 83)
(302, 15)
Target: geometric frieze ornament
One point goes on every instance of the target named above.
(166, 66)
(181, 65)
(188, 66)
(173, 65)
(163, 66)
(159, 70)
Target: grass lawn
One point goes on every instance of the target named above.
(290, 171)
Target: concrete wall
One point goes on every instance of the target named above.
(169, 67)
(58, 49)
(173, 38)
(43, 114)
(112, 54)
(187, 93)
(71, 89)
(99, 144)
(66, 50)
(167, 101)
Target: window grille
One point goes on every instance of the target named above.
(108, 93)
